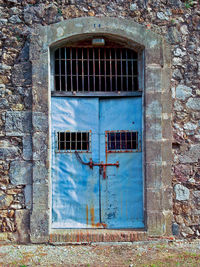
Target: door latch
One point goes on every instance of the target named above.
(101, 165)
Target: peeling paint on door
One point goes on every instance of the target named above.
(96, 187)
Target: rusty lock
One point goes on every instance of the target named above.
(101, 164)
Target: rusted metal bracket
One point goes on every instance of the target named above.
(91, 163)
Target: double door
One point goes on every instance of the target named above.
(97, 179)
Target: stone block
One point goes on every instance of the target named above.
(20, 172)
(166, 99)
(166, 78)
(155, 224)
(166, 127)
(27, 147)
(166, 49)
(167, 151)
(192, 155)
(154, 52)
(154, 200)
(183, 92)
(166, 175)
(174, 36)
(28, 196)
(167, 198)
(153, 105)
(153, 79)
(193, 103)
(18, 123)
(9, 153)
(182, 192)
(154, 175)
(153, 152)
(153, 129)
(40, 172)
(39, 226)
(22, 220)
(5, 200)
(40, 149)
(168, 217)
(41, 196)
(40, 122)
(4, 103)
(40, 86)
(21, 74)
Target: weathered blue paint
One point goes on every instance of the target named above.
(75, 187)
(122, 190)
(81, 198)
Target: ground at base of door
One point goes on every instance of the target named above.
(156, 253)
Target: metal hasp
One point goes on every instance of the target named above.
(101, 164)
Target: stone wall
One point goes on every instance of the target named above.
(178, 21)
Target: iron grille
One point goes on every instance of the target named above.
(121, 141)
(96, 69)
(73, 141)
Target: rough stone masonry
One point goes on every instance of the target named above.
(178, 21)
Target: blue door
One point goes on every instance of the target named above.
(96, 163)
(120, 141)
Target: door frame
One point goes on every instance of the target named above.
(156, 109)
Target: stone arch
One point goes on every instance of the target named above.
(157, 116)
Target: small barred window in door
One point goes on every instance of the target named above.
(73, 141)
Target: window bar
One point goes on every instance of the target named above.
(82, 71)
(110, 71)
(71, 68)
(126, 72)
(99, 70)
(75, 140)
(120, 146)
(88, 62)
(115, 141)
(105, 77)
(70, 141)
(87, 140)
(59, 141)
(65, 141)
(116, 70)
(133, 86)
(121, 70)
(60, 84)
(131, 140)
(93, 69)
(65, 69)
(77, 69)
(81, 142)
(136, 140)
(126, 147)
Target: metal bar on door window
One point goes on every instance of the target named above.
(116, 70)
(132, 66)
(60, 77)
(99, 69)
(82, 64)
(70, 141)
(77, 69)
(88, 62)
(121, 70)
(65, 69)
(110, 71)
(105, 69)
(126, 71)
(76, 140)
(93, 68)
(71, 68)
